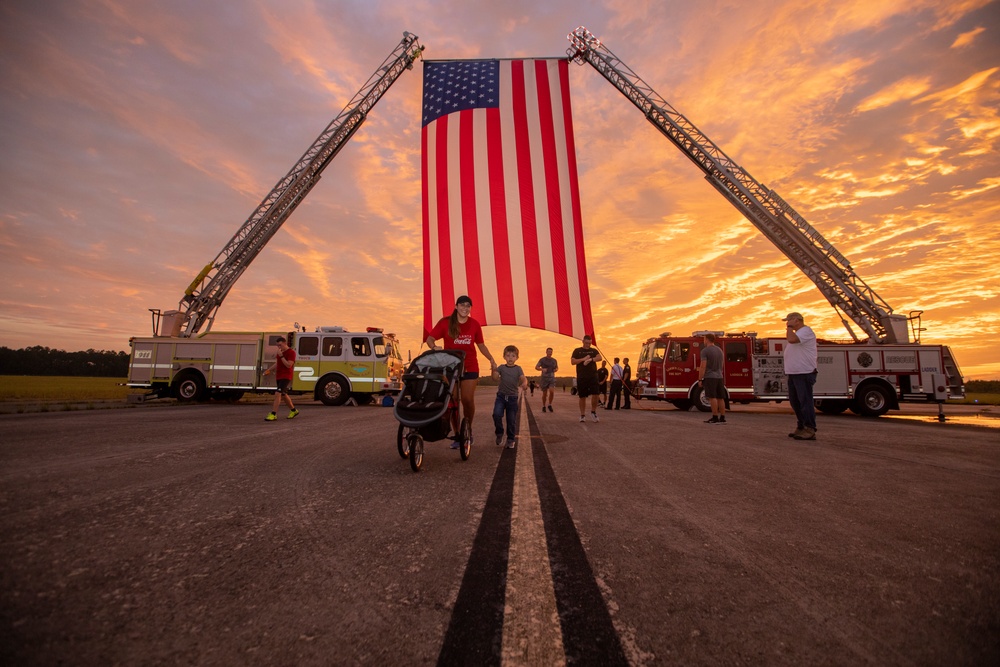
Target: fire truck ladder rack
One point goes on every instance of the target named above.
(762, 206)
(203, 297)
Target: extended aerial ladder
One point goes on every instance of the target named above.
(203, 297)
(762, 206)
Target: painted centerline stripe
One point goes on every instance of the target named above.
(589, 636)
(528, 595)
(531, 632)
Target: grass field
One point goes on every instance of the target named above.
(56, 388)
(980, 399)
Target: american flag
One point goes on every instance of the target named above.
(501, 201)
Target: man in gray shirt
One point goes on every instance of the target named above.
(711, 377)
(548, 366)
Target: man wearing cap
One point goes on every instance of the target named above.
(800, 367)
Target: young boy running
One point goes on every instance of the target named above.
(511, 379)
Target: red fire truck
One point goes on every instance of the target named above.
(869, 379)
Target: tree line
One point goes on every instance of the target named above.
(983, 386)
(40, 360)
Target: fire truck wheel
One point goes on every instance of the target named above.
(416, 445)
(402, 443)
(871, 401)
(334, 391)
(189, 386)
(700, 400)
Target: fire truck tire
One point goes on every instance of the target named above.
(189, 386)
(402, 443)
(833, 406)
(333, 391)
(871, 400)
(699, 399)
(416, 446)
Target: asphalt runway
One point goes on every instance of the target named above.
(168, 534)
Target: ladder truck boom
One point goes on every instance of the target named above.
(201, 300)
(762, 206)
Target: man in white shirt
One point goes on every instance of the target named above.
(800, 367)
(615, 398)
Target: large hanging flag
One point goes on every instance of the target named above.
(501, 201)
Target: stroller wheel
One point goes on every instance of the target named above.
(416, 447)
(465, 445)
(402, 443)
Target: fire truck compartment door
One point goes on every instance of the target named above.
(234, 365)
(930, 365)
(832, 379)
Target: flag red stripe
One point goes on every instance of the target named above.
(469, 221)
(498, 210)
(447, 294)
(425, 212)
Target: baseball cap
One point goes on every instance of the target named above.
(792, 316)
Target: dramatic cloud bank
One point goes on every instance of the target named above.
(138, 136)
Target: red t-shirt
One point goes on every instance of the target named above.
(470, 333)
(281, 371)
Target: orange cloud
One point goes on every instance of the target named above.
(903, 90)
(967, 38)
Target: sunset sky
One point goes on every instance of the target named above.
(138, 136)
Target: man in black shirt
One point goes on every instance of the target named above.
(627, 384)
(585, 359)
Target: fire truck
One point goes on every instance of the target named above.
(331, 364)
(887, 363)
(181, 361)
(868, 379)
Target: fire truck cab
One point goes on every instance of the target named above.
(668, 369)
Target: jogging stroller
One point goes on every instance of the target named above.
(427, 403)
